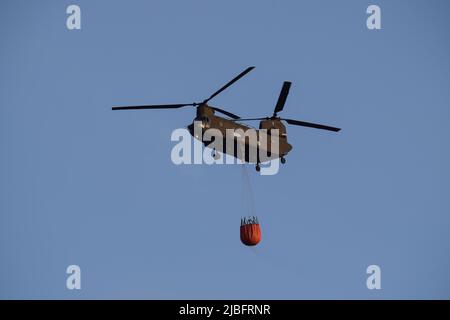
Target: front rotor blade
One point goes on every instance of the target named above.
(155, 106)
(231, 115)
(282, 97)
(243, 73)
(311, 125)
(251, 119)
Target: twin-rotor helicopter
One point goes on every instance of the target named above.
(207, 118)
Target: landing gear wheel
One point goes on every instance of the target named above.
(258, 168)
(283, 160)
(215, 154)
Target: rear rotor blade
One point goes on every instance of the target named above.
(243, 73)
(231, 115)
(155, 106)
(282, 97)
(311, 125)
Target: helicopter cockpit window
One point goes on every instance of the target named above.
(205, 121)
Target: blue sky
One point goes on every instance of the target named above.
(83, 185)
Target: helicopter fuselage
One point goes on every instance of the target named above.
(239, 140)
